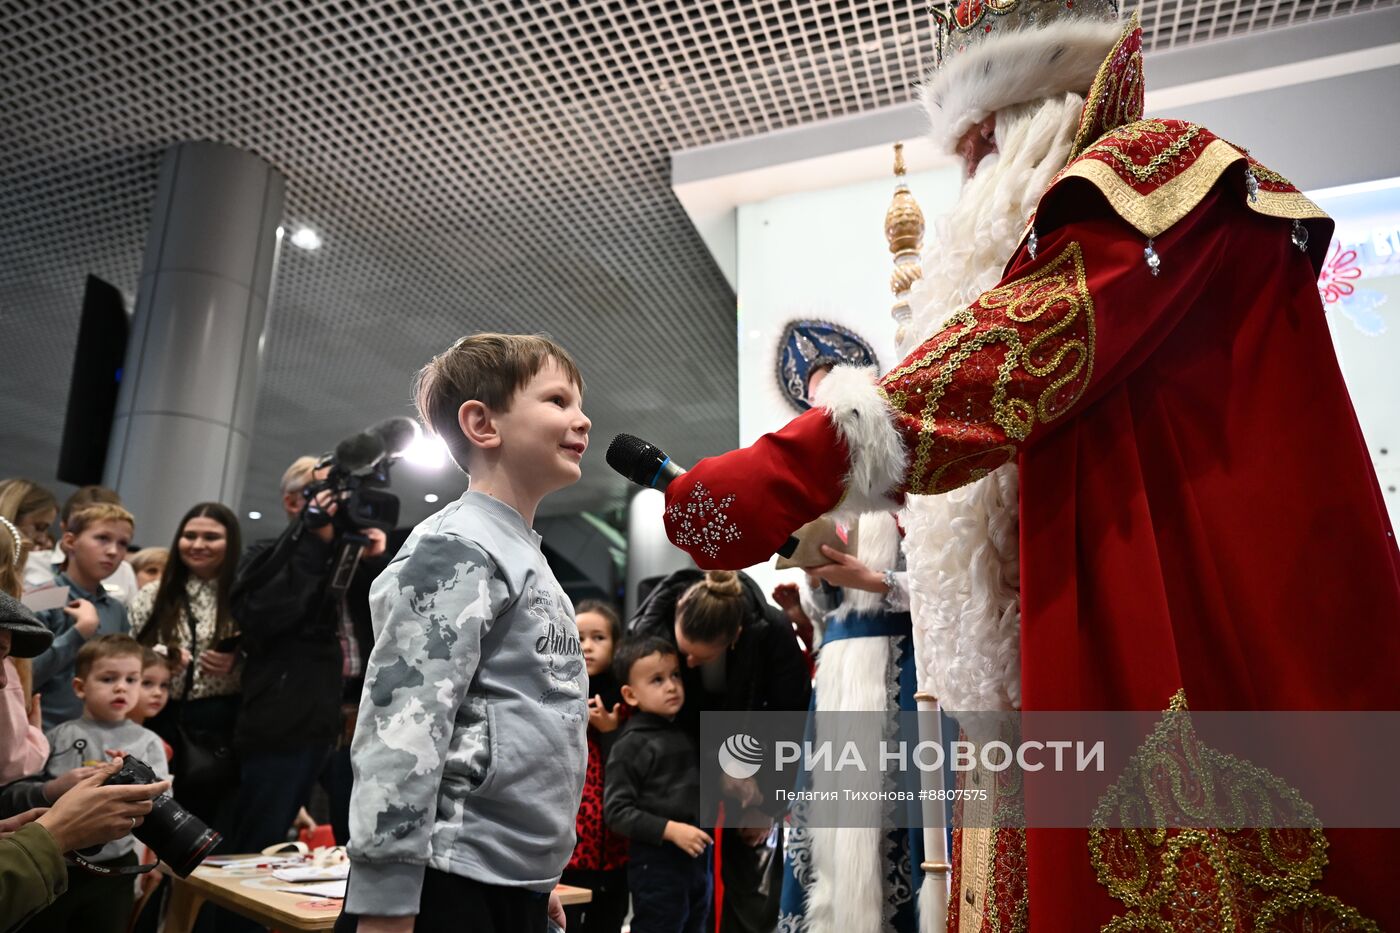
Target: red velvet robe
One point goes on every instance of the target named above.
(1209, 520)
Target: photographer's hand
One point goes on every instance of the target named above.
(325, 501)
(90, 813)
(57, 787)
(378, 542)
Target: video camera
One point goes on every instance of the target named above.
(356, 480)
(358, 474)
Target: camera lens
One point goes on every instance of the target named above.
(176, 835)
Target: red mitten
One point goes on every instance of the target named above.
(737, 509)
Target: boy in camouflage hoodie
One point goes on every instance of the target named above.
(469, 753)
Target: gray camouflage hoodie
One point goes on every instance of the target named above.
(469, 752)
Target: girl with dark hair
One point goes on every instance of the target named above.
(187, 613)
(599, 862)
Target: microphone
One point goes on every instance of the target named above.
(396, 434)
(642, 463)
(647, 465)
(359, 453)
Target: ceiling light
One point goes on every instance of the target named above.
(255, 515)
(306, 238)
(430, 497)
(427, 450)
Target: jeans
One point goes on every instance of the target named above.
(274, 786)
(670, 890)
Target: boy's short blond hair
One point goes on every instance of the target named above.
(107, 646)
(489, 368)
(90, 515)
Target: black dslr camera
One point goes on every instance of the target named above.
(176, 835)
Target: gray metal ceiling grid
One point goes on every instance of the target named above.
(494, 165)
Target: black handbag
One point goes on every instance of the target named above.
(202, 757)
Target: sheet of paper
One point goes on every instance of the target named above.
(334, 889)
(312, 873)
(45, 598)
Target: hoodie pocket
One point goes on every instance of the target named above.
(472, 753)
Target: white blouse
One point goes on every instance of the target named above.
(204, 600)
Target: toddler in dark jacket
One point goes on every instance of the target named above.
(653, 794)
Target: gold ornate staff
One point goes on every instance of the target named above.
(904, 230)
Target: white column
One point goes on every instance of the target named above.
(184, 417)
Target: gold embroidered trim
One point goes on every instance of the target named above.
(1290, 205)
(1268, 174)
(1088, 132)
(1136, 131)
(1056, 295)
(1201, 878)
(992, 867)
(1154, 213)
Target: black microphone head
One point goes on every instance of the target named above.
(635, 459)
(357, 453)
(396, 433)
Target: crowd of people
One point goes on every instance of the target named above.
(245, 682)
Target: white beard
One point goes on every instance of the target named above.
(962, 547)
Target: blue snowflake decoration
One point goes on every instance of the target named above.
(804, 343)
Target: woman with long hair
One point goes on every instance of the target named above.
(32, 509)
(187, 613)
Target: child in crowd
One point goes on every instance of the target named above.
(600, 855)
(43, 566)
(156, 671)
(149, 564)
(155, 693)
(653, 794)
(95, 542)
(469, 753)
(107, 681)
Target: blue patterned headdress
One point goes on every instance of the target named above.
(807, 343)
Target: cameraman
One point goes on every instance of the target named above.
(302, 648)
(34, 834)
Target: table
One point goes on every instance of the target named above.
(250, 894)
